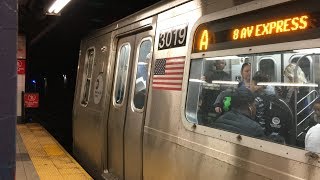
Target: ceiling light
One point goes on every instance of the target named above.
(226, 82)
(287, 84)
(57, 6)
(223, 57)
(308, 51)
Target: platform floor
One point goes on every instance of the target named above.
(40, 156)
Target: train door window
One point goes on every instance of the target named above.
(142, 73)
(122, 73)
(87, 76)
(246, 101)
(267, 66)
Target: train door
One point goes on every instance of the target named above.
(126, 118)
(134, 124)
(89, 104)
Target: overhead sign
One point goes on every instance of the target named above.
(21, 66)
(287, 22)
(270, 28)
(31, 100)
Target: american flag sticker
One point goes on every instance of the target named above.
(168, 73)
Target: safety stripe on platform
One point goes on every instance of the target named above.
(49, 158)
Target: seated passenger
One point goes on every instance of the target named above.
(260, 101)
(209, 94)
(240, 119)
(219, 104)
(272, 113)
(312, 139)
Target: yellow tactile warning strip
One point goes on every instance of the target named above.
(49, 158)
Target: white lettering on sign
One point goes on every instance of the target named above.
(173, 38)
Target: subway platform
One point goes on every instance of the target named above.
(40, 156)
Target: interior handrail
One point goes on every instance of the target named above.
(307, 105)
(308, 95)
(305, 119)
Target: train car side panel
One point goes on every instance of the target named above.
(89, 104)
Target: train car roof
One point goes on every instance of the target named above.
(138, 16)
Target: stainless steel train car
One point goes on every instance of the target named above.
(145, 102)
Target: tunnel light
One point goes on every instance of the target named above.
(57, 6)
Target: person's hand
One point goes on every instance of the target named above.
(218, 110)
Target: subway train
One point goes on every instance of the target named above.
(147, 95)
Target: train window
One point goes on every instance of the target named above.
(142, 73)
(122, 73)
(231, 93)
(87, 76)
(267, 66)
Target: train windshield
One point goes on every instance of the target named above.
(272, 96)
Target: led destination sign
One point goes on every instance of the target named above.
(291, 21)
(273, 27)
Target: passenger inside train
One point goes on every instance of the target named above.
(222, 102)
(272, 114)
(142, 75)
(240, 119)
(214, 71)
(282, 93)
(312, 138)
(294, 74)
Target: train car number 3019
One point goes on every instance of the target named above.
(173, 38)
